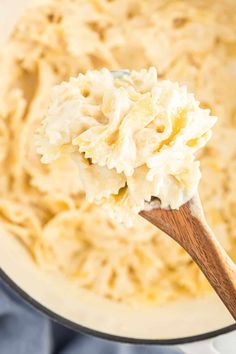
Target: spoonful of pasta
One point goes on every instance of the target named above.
(134, 139)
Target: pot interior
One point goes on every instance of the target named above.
(179, 319)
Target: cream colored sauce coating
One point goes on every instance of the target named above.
(192, 42)
(132, 136)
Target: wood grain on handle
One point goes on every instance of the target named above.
(189, 228)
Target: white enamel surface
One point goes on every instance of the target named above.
(180, 319)
(224, 344)
(185, 318)
(205, 347)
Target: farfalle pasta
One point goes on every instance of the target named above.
(132, 136)
(43, 205)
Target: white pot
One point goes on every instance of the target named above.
(186, 321)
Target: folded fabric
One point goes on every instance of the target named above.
(24, 330)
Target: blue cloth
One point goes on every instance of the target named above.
(24, 330)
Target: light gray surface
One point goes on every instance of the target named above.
(24, 330)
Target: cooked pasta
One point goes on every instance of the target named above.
(133, 138)
(191, 42)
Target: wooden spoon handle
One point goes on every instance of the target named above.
(188, 227)
(214, 262)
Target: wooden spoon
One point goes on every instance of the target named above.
(189, 228)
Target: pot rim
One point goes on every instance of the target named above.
(88, 331)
